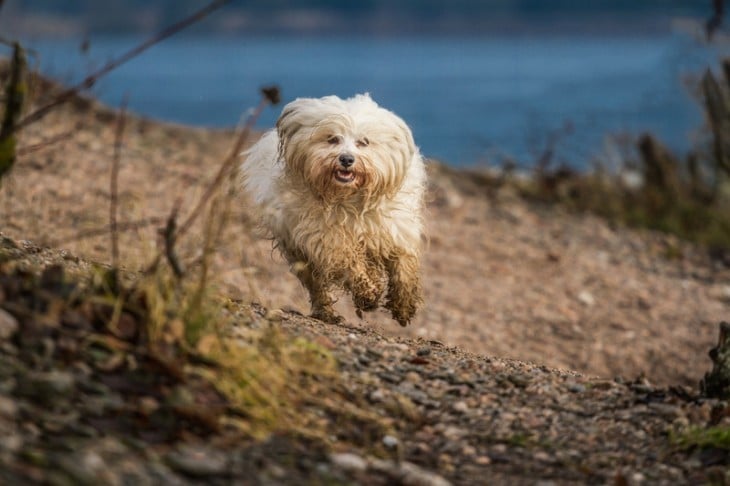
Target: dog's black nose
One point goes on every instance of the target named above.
(346, 160)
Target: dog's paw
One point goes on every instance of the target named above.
(365, 303)
(327, 315)
(403, 305)
(403, 316)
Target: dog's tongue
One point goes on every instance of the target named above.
(344, 175)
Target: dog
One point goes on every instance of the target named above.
(340, 187)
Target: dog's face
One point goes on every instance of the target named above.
(345, 147)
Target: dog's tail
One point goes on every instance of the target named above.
(261, 167)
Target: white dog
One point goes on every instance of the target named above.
(340, 186)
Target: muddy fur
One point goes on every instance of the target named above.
(340, 186)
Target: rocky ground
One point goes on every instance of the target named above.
(452, 398)
(81, 403)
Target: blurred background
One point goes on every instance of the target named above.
(480, 82)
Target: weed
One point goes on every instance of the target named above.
(711, 437)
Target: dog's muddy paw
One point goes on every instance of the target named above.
(365, 304)
(402, 314)
(328, 316)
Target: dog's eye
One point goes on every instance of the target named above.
(363, 142)
(334, 140)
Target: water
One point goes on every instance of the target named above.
(467, 100)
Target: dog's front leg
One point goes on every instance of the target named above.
(366, 284)
(319, 297)
(404, 287)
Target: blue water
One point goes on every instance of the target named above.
(470, 100)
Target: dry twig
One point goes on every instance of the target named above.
(270, 95)
(92, 78)
(29, 149)
(114, 183)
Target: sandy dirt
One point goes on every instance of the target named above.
(502, 276)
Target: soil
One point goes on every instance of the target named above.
(502, 276)
(553, 348)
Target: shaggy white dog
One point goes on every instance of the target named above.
(340, 186)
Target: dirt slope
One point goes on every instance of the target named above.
(456, 394)
(502, 277)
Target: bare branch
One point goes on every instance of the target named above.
(29, 149)
(91, 79)
(170, 237)
(714, 22)
(269, 95)
(15, 92)
(113, 183)
(121, 227)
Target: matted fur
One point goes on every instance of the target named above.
(358, 228)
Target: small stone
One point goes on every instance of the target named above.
(586, 298)
(452, 432)
(468, 450)
(198, 461)
(413, 377)
(483, 460)
(8, 324)
(460, 407)
(576, 387)
(348, 462)
(377, 396)
(8, 407)
(47, 387)
(412, 474)
(423, 351)
(11, 443)
(542, 456)
(390, 442)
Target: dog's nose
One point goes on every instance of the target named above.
(346, 160)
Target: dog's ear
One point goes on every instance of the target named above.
(283, 125)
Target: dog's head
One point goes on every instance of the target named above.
(344, 147)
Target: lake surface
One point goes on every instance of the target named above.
(470, 100)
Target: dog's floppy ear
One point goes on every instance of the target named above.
(284, 124)
(294, 116)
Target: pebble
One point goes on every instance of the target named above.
(348, 462)
(8, 324)
(47, 386)
(198, 461)
(576, 387)
(408, 474)
(482, 460)
(452, 432)
(8, 407)
(377, 396)
(460, 407)
(390, 442)
(413, 377)
(586, 298)
(412, 475)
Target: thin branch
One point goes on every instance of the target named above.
(14, 101)
(170, 237)
(714, 22)
(92, 78)
(171, 233)
(269, 95)
(121, 227)
(114, 183)
(29, 149)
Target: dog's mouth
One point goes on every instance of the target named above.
(344, 176)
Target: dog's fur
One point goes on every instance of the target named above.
(358, 227)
